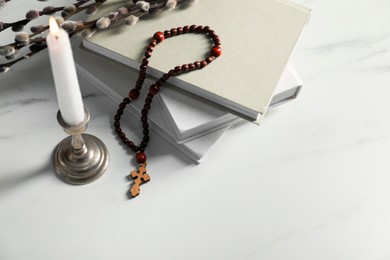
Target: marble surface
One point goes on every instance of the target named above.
(311, 183)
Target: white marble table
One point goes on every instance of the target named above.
(313, 182)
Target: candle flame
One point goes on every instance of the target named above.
(54, 29)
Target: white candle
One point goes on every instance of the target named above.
(64, 74)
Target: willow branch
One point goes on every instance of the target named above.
(36, 42)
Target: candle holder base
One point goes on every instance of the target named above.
(80, 158)
(82, 166)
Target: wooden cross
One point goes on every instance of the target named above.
(139, 177)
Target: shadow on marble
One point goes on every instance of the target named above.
(14, 179)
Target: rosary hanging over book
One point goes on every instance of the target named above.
(140, 176)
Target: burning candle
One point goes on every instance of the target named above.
(64, 74)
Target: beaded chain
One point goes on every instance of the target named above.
(140, 176)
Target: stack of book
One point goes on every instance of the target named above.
(194, 110)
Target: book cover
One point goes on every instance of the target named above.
(258, 37)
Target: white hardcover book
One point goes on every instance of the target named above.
(258, 37)
(190, 116)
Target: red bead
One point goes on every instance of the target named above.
(216, 51)
(144, 112)
(130, 143)
(185, 67)
(140, 157)
(153, 90)
(146, 106)
(197, 64)
(148, 101)
(167, 34)
(173, 31)
(191, 66)
(159, 37)
(148, 54)
(177, 69)
(134, 94)
(199, 28)
(153, 43)
(143, 67)
(165, 76)
(180, 30)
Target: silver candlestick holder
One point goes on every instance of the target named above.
(79, 158)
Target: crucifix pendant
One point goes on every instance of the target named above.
(139, 177)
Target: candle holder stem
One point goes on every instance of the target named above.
(79, 158)
(78, 143)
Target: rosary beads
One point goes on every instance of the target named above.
(140, 176)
